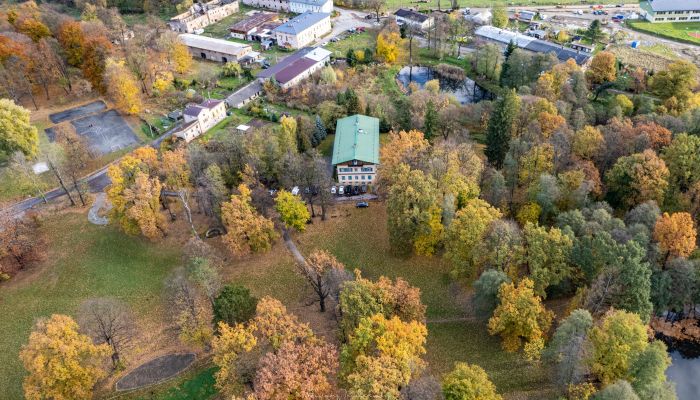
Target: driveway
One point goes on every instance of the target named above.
(346, 20)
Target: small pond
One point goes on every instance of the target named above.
(465, 90)
(685, 373)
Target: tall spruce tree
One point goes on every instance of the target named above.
(431, 117)
(505, 69)
(319, 132)
(500, 129)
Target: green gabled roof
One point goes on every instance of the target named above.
(356, 138)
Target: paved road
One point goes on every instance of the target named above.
(97, 181)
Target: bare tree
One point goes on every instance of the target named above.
(18, 239)
(316, 271)
(53, 154)
(377, 6)
(204, 274)
(76, 155)
(108, 320)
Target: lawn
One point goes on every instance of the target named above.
(355, 41)
(688, 32)
(197, 384)
(82, 261)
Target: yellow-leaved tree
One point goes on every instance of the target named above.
(388, 46)
(520, 319)
(181, 57)
(382, 355)
(676, 234)
(227, 348)
(247, 230)
(144, 207)
(61, 362)
(292, 210)
(122, 88)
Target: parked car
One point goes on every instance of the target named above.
(362, 204)
(348, 190)
(295, 190)
(335, 39)
(363, 188)
(341, 190)
(333, 190)
(369, 16)
(355, 190)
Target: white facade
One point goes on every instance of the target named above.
(277, 5)
(200, 118)
(671, 10)
(302, 35)
(354, 175)
(215, 49)
(302, 6)
(415, 19)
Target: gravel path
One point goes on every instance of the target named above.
(93, 217)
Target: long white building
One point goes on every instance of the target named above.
(671, 10)
(302, 30)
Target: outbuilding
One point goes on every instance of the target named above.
(212, 49)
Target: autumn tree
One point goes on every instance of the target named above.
(501, 126)
(546, 256)
(361, 298)
(275, 326)
(189, 309)
(303, 371)
(234, 305)
(520, 318)
(603, 68)
(182, 59)
(19, 240)
(318, 268)
(292, 210)
(94, 64)
(587, 142)
(122, 88)
(466, 232)
(619, 390)
(675, 234)
(682, 157)
(648, 373)
(499, 16)
(637, 178)
(247, 230)
(569, 348)
(617, 341)
(61, 363)
(409, 204)
(70, 36)
(143, 206)
(674, 85)
(108, 321)
(17, 132)
(468, 382)
(486, 290)
(388, 46)
(76, 156)
(228, 347)
(382, 355)
(402, 148)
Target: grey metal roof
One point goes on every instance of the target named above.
(674, 5)
(268, 73)
(218, 45)
(301, 22)
(296, 64)
(412, 15)
(525, 42)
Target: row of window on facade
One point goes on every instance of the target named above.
(677, 19)
(363, 169)
(678, 12)
(357, 178)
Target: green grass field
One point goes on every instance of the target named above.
(83, 261)
(356, 41)
(688, 32)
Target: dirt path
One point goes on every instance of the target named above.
(93, 213)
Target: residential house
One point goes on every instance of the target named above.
(504, 36)
(356, 150)
(578, 46)
(303, 30)
(671, 10)
(215, 49)
(199, 118)
(413, 18)
(525, 15)
(201, 15)
(296, 67)
(302, 6)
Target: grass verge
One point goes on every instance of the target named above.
(686, 32)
